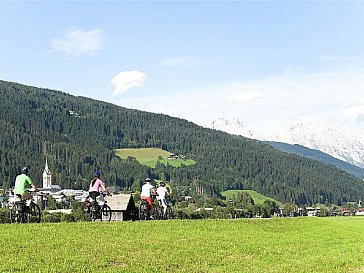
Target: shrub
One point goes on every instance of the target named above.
(4, 215)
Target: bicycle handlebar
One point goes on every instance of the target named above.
(101, 193)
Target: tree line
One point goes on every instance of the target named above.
(78, 135)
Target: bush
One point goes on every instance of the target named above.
(67, 217)
(4, 215)
(51, 217)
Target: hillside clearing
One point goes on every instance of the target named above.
(246, 245)
(150, 157)
(257, 197)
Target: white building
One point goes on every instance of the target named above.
(47, 181)
(47, 176)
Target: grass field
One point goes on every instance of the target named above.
(244, 245)
(150, 157)
(257, 197)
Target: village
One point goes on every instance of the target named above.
(122, 205)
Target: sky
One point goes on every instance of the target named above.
(267, 63)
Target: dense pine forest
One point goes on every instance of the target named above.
(78, 135)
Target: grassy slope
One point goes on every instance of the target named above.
(245, 245)
(149, 157)
(257, 197)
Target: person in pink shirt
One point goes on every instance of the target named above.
(95, 185)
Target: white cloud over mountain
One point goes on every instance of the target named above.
(271, 102)
(127, 80)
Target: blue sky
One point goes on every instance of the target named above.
(266, 63)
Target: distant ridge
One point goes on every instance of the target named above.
(338, 142)
(318, 155)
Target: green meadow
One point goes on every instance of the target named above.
(243, 245)
(257, 197)
(150, 157)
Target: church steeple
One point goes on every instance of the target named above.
(47, 176)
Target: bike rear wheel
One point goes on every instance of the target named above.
(160, 213)
(143, 214)
(155, 213)
(106, 213)
(169, 213)
(33, 215)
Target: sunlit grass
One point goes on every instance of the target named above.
(150, 157)
(245, 245)
(257, 197)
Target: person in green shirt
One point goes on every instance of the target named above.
(22, 181)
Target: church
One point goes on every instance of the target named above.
(47, 181)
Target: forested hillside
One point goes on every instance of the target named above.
(318, 155)
(78, 135)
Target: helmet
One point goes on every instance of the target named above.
(162, 184)
(25, 170)
(97, 174)
(148, 179)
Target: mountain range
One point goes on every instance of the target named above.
(79, 135)
(324, 142)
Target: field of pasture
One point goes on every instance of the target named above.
(150, 157)
(243, 245)
(257, 197)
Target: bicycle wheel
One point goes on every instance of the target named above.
(106, 213)
(155, 212)
(14, 215)
(169, 213)
(160, 213)
(33, 215)
(87, 211)
(143, 214)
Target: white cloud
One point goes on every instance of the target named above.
(78, 42)
(127, 80)
(268, 103)
(355, 110)
(244, 96)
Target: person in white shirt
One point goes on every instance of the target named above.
(146, 192)
(162, 191)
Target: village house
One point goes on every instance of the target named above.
(122, 207)
(312, 211)
(343, 212)
(173, 156)
(359, 212)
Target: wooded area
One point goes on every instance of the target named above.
(78, 135)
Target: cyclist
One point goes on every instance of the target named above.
(146, 192)
(161, 197)
(95, 185)
(21, 183)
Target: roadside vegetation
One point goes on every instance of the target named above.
(333, 244)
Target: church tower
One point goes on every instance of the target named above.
(47, 176)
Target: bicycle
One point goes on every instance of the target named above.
(20, 212)
(160, 212)
(94, 211)
(144, 210)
